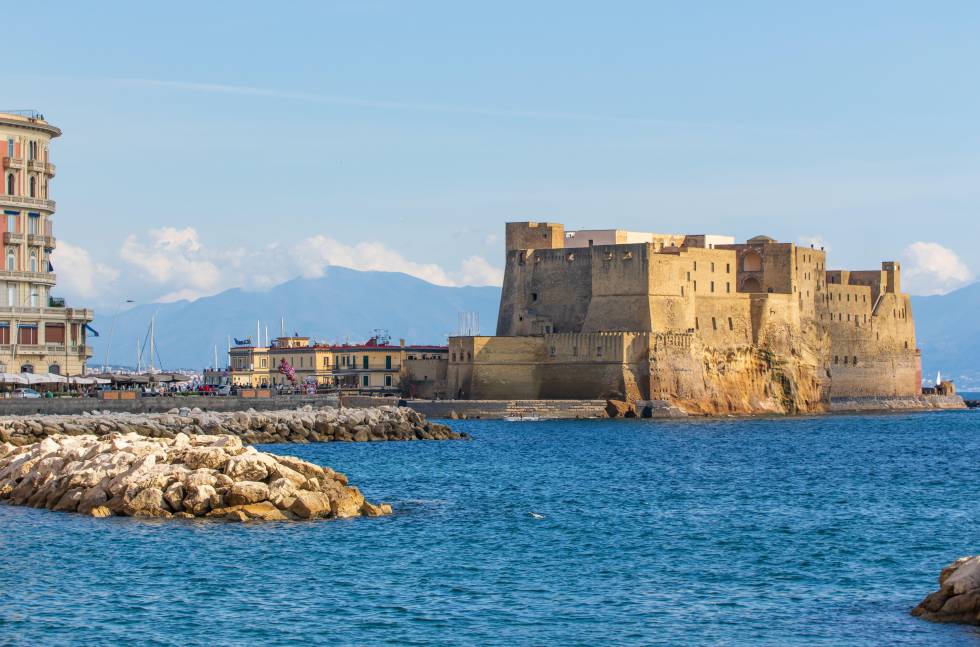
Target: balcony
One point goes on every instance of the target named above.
(56, 302)
(44, 278)
(12, 162)
(84, 314)
(26, 203)
(12, 238)
(48, 242)
(31, 349)
(43, 167)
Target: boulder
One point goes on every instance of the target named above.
(958, 597)
(246, 492)
(147, 503)
(310, 505)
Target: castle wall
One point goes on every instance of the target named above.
(545, 291)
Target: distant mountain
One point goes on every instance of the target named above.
(343, 304)
(948, 332)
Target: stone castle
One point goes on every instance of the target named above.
(696, 321)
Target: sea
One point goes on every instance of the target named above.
(766, 531)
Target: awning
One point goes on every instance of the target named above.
(95, 333)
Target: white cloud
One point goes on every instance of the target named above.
(475, 270)
(78, 275)
(174, 257)
(931, 268)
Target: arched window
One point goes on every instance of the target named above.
(34, 260)
(33, 187)
(54, 368)
(10, 184)
(10, 259)
(752, 262)
(752, 285)
(27, 368)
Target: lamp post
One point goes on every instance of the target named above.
(112, 327)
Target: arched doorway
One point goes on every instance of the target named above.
(54, 368)
(752, 262)
(751, 284)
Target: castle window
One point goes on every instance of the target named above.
(836, 359)
(731, 324)
(688, 276)
(682, 290)
(728, 268)
(714, 324)
(534, 296)
(906, 345)
(695, 266)
(697, 326)
(695, 286)
(712, 267)
(855, 360)
(848, 317)
(712, 286)
(728, 286)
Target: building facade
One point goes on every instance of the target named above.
(38, 333)
(710, 325)
(375, 366)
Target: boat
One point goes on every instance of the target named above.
(522, 418)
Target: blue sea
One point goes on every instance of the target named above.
(801, 531)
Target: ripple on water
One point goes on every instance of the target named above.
(812, 531)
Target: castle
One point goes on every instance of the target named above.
(697, 321)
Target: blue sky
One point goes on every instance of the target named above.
(210, 145)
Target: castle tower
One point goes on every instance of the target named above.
(38, 334)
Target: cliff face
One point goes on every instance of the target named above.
(748, 381)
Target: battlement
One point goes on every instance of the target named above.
(534, 235)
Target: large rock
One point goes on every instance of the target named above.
(174, 476)
(958, 597)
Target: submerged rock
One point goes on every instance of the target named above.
(958, 597)
(185, 476)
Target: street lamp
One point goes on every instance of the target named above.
(108, 344)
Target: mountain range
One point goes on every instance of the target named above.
(350, 305)
(343, 305)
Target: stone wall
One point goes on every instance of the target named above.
(69, 406)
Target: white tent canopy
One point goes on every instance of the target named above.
(12, 378)
(43, 378)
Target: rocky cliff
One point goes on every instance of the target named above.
(958, 597)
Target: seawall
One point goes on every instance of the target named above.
(918, 403)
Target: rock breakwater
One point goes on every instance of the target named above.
(958, 597)
(212, 476)
(303, 425)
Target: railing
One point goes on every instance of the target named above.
(13, 162)
(38, 165)
(24, 201)
(80, 313)
(48, 242)
(27, 114)
(47, 278)
(12, 238)
(31, 349)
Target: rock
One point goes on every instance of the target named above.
(246, 492)
(246, 467)
(958, 597)
(147, 503)
(199, 498)
(100, 511)
(371, 510)
(620, 409)
(265, 511)
(174, 496)
(310, 505)
(210, 457)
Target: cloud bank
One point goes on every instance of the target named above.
(170, 264)
(930, 268)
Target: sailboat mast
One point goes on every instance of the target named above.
(152, 332)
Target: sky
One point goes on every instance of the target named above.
(211, 145)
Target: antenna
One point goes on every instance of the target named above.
(469, 324)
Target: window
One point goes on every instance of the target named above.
(5, 333)
(552, 351)
(836, 359)
(10, 147)
(32, 184)
(388, 362)
(10, 184)
(714, 324)
(845, 359)
(695, 286)
(11, 262)
(364, 361)
(712, 267)
(731, 324)
(855, 360)
(598, 351)
(54, 368)
(534, 296)
(712, 286)
(697, 326)
(34, 260)
(364, 381)
(11, 294)
(12, 221)
(453, 357)
(387, 380)
(728, 268)
(695, 266)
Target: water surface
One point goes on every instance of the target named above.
(808, 531)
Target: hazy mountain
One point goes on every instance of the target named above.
(949, 335)
(342, 304)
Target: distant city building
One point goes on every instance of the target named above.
(374, 366)
(38, 334)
